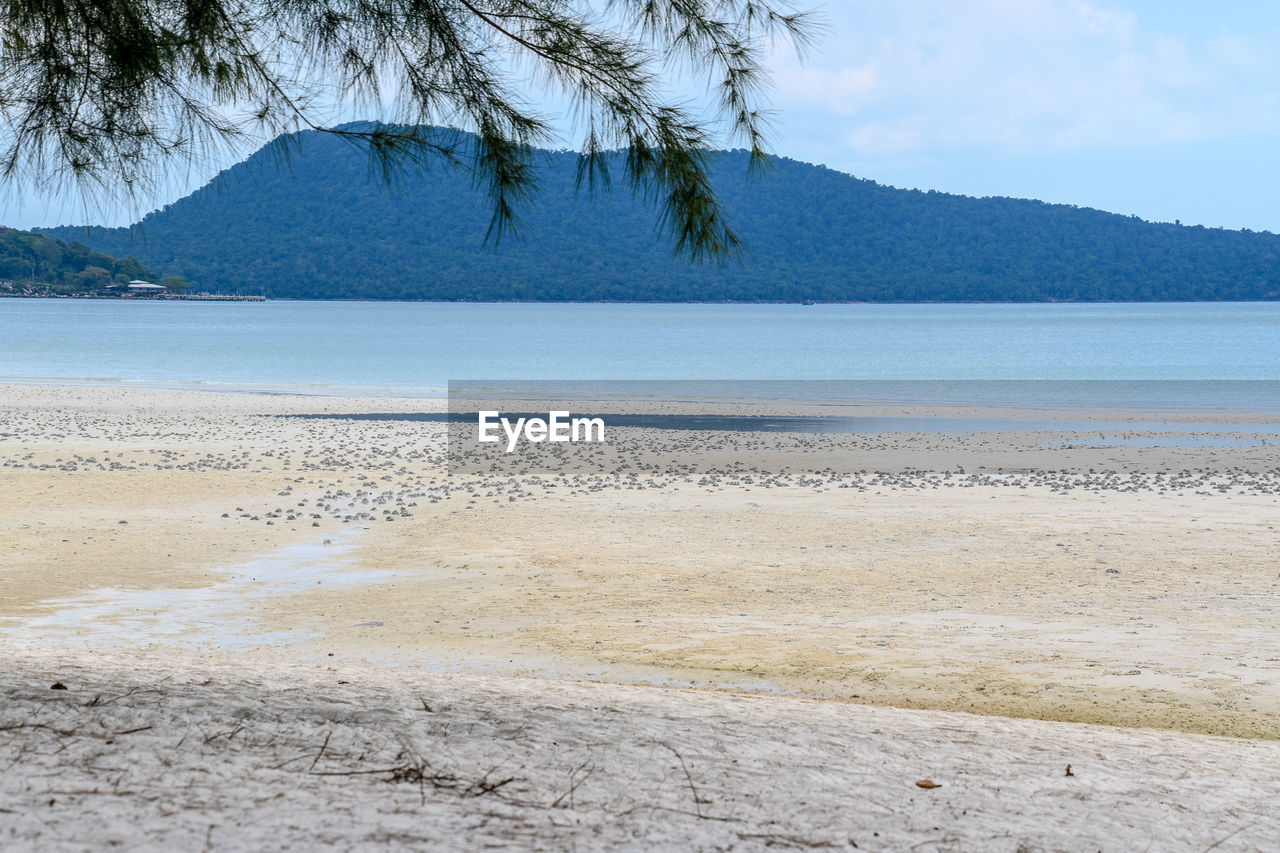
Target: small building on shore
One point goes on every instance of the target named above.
(137, 287)
(146, 288)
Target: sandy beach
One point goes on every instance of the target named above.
(159, 753)
(825, 638)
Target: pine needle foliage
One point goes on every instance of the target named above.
(106, 95)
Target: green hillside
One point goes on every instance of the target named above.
(323, 226)
(40, 265)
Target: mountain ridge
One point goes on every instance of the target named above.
(320, 224)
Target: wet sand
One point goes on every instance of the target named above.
(1128, 600)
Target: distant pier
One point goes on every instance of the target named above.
(215, 297)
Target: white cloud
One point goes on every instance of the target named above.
(917, 76)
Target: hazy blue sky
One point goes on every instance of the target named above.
(1168, 109)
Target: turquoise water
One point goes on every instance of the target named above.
(415, 348)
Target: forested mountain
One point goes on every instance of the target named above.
(320, 224)
(37, 264)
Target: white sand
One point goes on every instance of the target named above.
(157, 754)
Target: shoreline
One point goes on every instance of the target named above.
(287, 390)
(1064, 416)
(801, 304)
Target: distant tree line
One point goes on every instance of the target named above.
(38, 265)
(319, 225)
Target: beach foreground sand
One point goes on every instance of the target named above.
(211, 566)
(154, 753)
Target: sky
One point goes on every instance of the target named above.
(1167, 109)
(1163, 108)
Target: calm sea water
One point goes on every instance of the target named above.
(415, 348)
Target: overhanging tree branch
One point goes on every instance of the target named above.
(106, 94)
